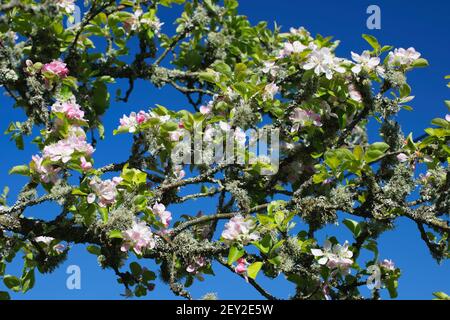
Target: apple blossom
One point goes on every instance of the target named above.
(364, 62)
(47, 172)
(70, 108)
(354, 93)
(196, 264)
(388, 264)
(58, 248)
(132, 121)
(165, 216)
(63, 150)
(292, 48)
(323, 62)
(240, 135)
(68, 6)
(403, 57)
(179, 172)
(401, 157)
(302, 32)
(138, 238)
(270, 68)
(240, 229)
(105, 191)
(85, 165)
(175, 135)
(447, 117)
(301, 117)
(269, 91)
(241, 268)
(335, 257)
(57, 68)
(205, 109)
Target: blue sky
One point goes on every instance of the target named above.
(423, 25)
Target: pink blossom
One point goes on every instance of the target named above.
(291, 48)
(240, 135)
(401, 157)
(132, 122)
(57, 68)
(85, 165)
(179, 172)
(47, 173)
(205, 109)
(301, 117)
(354, 93)
(335, 256)
(160, 210)
(58, 248)
(139, 237)
(403, 57)
(70, 108)
(241, 267)
(196, 264)
(240, 229)
(447, 117)
(63, 150)
(175, 135)
(105, 191)
(388, 264)
(141, 117)
(67, 6)
(270, 68)
(270, 91)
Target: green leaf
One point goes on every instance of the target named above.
(354, 226)
(94, 250)
(253, 269)
(420, 63)
(100, 97)
(440, 122)
(441, 296)
(375, 151)
(372, 41)
(4, 295)
(234, 254)
(28, 281)
(115, 234)
(264, 244)
(392, 285)
(12, 282)
(447, 103)
(22, 170)
(136, 269)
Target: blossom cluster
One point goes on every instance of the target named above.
(240, 229)
(138, 238)
(241, 268)
(56, 68)
(58, 248)
(132, 122)
(64, 149)
(104, 191)
(67, 6)
(165, 216)
(72, 148)
(196, 264)
(403, 57)
(301, 118)
(69, 108)
(138, 20)
(323, 61)
(336, 257)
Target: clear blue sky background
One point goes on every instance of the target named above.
(423, 25)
